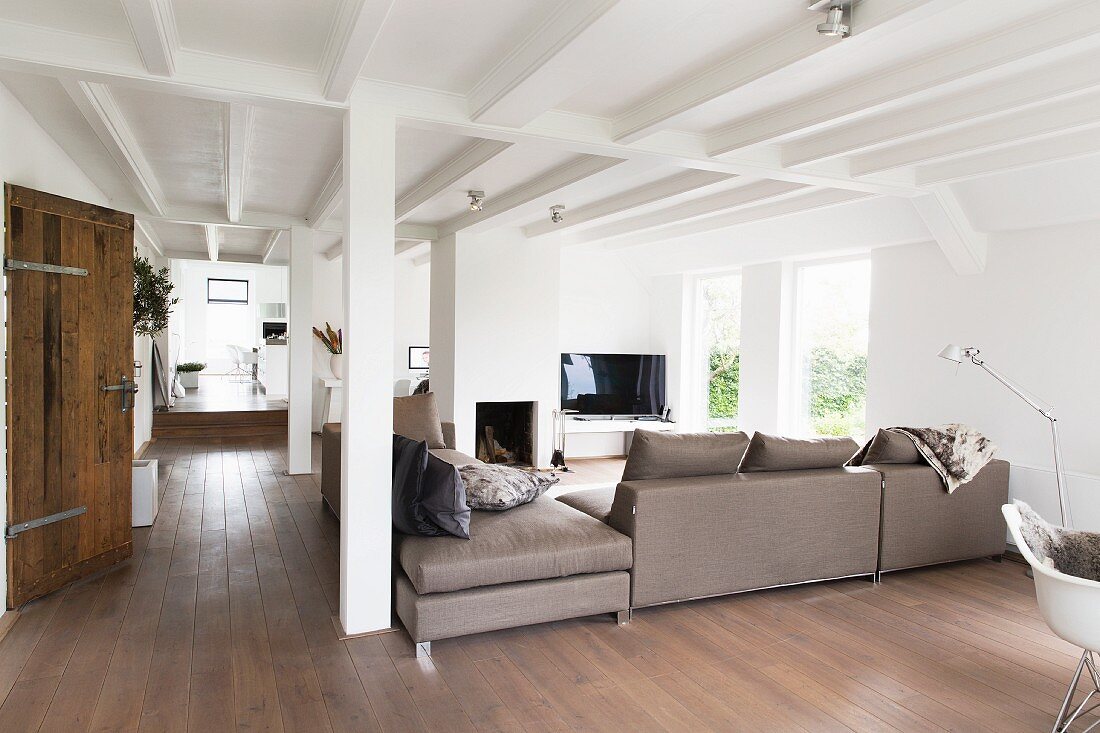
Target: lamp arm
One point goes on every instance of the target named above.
(1045, 411)
(1048, 413)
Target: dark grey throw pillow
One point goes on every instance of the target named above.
(410, 458)
(679, 455)
(1069, 551)
(776, 453)
(443, 498)
(497, 488)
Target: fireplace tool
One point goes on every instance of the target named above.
(557, 459)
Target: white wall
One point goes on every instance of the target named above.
(29, 157)
(766, 313)
(495, 315)
(1034, 315)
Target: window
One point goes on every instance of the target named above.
(219, 290)
(833, 301)
(720, 362)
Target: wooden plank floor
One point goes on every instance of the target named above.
(223, 620)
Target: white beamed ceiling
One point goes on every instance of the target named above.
(586, 103)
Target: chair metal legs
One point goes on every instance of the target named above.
(1065, 718)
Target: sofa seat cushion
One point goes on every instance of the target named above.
(543, 539)
(453, 457)
(593, 502)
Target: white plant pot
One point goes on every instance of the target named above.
(336, 364)
(189, 380)
(145, 497)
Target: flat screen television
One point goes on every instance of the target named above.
(613, 384)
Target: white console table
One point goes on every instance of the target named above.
(334, 389)
(595, 428)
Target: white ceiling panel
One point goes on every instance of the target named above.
(181, 138)
(451, 45)
(289, 33)
(180, 237)
(241, 241)
(515, 166)
(100, 18)
(421, 152)
(291, 157)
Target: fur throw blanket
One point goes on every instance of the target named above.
(956, 452)
(1068, 551)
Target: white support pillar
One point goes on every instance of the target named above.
(300, 392)
(367, 432)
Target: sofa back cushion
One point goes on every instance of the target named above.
(776, 453)
(891, 447)
(655, 455)
(417, 418)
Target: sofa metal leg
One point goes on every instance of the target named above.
(622, 618)
(423, 649)
(996, 558)
(874, 577)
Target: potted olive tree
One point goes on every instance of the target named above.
(188, 373)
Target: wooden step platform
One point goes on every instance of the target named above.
(220, 424)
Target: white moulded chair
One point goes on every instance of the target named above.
(1071, 608)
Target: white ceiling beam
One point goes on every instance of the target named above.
(1047, 31)
(421, 260)
(98, 106)
(1046, 121)
(553, 181)
(466, 162)
(354, 32)
(336, 250)
(179, 254)
(145, 232)
(328, 198)
(1035, 153)
(1080, 74)
(534, 76)
(741, 197)
(50, 52)
(433, 110)
(204, 216)
(272, 242)
(945, 218)
(416, 232)
(239, 123)
(211, 233)
(810, 201)
(650, 193)
(153, 26)
(768, 57)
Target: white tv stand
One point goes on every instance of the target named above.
(596, 437)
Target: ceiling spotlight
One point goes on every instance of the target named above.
(477, 200)
(557, 213)
(838, 17)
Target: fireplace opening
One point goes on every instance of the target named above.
(505, 433)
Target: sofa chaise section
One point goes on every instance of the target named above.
(922, 524)
(712, 535)
(539, 562)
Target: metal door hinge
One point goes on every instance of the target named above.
(10, 264)
(15, 529)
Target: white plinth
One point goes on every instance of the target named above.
(146, 498)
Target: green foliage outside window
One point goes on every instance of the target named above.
(725, 380)
(838, 390)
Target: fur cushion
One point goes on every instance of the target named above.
(497, 488)
(1068, 551)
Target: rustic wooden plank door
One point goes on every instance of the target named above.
(69, 442)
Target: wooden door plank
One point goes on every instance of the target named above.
(52, 396)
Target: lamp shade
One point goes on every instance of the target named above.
(951, 352)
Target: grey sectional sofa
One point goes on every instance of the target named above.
(659, 538)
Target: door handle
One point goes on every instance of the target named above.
(127, 389)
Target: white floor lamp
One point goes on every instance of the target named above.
(953, 353)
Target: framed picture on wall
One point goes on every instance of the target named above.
(418, 358)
